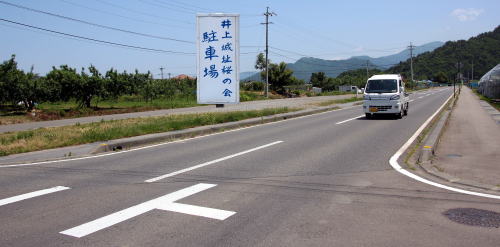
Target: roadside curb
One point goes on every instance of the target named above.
(137, 141)
(429, 144)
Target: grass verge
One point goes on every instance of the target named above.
(493, 103)
(417, 145)
(46, 138)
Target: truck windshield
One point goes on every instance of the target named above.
(382, 86)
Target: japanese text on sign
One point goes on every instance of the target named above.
(218, 58)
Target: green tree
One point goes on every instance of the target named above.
(319, 79)
(30, 89)
(481, 50)
(9, 80)
(88, 87)
(16, 86)
(279, 76)
(260, 63)
(115, 84)
(61, 83)
(440, 77)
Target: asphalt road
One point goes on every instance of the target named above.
(301, 182)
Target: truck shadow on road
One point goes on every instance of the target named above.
(379, 117)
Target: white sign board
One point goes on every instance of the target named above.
(218, 66)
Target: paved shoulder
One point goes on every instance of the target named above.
(468, 148)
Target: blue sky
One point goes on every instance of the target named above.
(323, 29)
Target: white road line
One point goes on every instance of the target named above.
(394, 161)
(420, 97)
(31, 195)
(210, 162)
(172, 142)
(350, 119)
(197, 211)
(166, 202)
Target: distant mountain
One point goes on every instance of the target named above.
(304, 67)
(483, 51)
(391, 60)
(245, 75)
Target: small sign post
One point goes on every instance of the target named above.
(218, 80)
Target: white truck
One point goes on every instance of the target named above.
(385, 94)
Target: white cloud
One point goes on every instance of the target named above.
(359, 49)
(466, 14)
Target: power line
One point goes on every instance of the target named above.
(301, 36)
(319, 35)
(292, 52)
(114, 14)
(95, 24)
(177, 5)
(142, 13)
(165, 6)
(97, 40)
(186, 4)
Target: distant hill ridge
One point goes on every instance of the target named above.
(304, 67)
(481, 52)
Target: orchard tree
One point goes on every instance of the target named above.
(89, 86)
(61, 83)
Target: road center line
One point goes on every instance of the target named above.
(210, 162)
(350, 119)
(31, 195)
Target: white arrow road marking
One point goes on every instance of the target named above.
(31, 195)
(166, 202)
(350, 119)
(209, 162)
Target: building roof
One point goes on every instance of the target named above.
(183, 76)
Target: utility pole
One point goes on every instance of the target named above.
(367, 76)
(457, 77)
(161, 69)
(267, 14)
(472, 76)
(411, 47)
